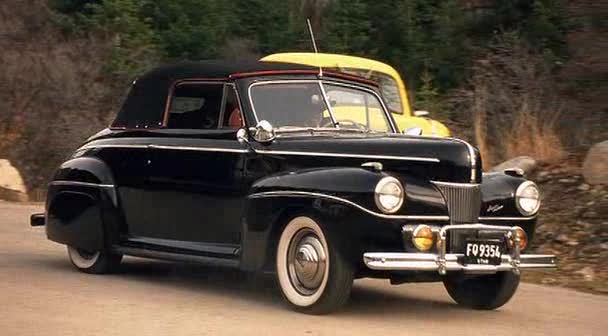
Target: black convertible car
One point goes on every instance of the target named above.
(268, 166)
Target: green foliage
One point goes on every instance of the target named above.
(540, 22)
(135, 46)
(190, 29)
(433, 38)
(428, 97)
(350, 28)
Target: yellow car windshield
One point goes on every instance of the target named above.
(304, 104)
(388, 86)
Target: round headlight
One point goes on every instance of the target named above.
(389, 195)
(527, 198)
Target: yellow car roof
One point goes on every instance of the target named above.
(333, 61)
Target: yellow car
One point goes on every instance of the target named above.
(391, 85)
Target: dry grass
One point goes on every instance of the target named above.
(513, 104)
(534, 137)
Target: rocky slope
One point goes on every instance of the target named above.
(573, 224)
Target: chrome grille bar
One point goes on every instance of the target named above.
(463, 201)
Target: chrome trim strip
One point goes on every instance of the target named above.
(272, 152)
(345, 201)
(385, 109)
(455, 184)
(81, 184)
(506, 218)
(201, 149)
(358, 156)
(89, 146)
(472, 158)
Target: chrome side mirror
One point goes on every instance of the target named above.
(421, 113)
(264, 132)
(413, 131)
(242, 137)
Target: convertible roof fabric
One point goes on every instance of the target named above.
(217, 69)
(145, 105)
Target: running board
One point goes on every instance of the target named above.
(171, 256)
(178, 246)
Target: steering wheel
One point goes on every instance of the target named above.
(347, 122)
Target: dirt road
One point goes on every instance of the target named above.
(40, 294)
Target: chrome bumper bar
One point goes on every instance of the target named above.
(430, 262)
(443, 262)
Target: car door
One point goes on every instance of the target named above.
(195, 183)
(130, 169)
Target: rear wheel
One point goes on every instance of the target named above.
(482, 292)
(313, 276)
(94, 262)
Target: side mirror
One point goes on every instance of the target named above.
(421, 113)
(413, 131)
(264, 132)
(241, 136)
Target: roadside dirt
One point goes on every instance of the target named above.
(42, 294)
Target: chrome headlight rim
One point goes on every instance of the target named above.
(518, 194)
(378, 193)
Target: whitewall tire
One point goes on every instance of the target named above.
(313, 276)
(95, 262)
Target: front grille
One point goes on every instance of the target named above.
(463, 201)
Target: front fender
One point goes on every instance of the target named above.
(266, 211)
(498, 202)
(343, 196)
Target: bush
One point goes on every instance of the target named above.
(512, 103)
(53, 95)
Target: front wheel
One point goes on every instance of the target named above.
(482, 292)
(94, 262)
(314, 277)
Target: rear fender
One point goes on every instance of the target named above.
(82, 207)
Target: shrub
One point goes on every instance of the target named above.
(513, 104)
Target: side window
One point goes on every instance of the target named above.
(196, 106)
(232, 117)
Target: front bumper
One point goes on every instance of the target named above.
(37, 219)
(443, 262)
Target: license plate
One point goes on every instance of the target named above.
(483, 252)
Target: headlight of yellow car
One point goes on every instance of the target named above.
(389, 195)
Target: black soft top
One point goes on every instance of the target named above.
(145, 104)
(216, 69)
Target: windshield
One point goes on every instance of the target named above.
(299, 104)
(388, 86)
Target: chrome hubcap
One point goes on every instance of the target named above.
(306, 262)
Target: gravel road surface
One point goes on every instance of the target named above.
(41, 294)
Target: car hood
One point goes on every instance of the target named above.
(439, 159)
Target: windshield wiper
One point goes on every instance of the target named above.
(313, 130)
